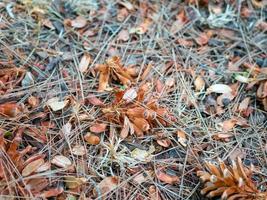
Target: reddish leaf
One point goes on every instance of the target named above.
(98, 128)
(10, 109)
(92, 99)
(166, 178)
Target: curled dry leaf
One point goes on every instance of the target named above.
(107, 185)
(182, 138)
(199, 83)
(98, 128)
(78, 22)
(92, 139)
(166, 178)
(55, 104)
(129, 95)
(219, 88)
(84, 63)
(73, 182)
(32, 167)
(61, 161)
(79, 150)
(10, 109)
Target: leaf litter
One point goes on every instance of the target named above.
(133, 99)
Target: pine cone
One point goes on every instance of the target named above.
(230, 182)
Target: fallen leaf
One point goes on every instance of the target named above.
(202, 39)
(107, 185)
(127, 128)
(219, 88)
(92, 139)
(129, 95)
(123, 35)
(33, 101)
(84, 63)
(92, 99)
(164, 142)
(170, 82)
(51, 193)
(78, 150)
(56, 105)
(103, 77)
(142, 28)
(182, 138)
(74, 182)
(153, 193)
(243, 106)
(122, 14)
(199, 83)
(44, 167)
(228, 125)
(166, 178)
(32, 167)
(61, 161)
(79, 22)
(66, 129)
(10, 109)
(98, 128)
(126, 4)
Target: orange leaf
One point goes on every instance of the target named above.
(98, 128)
(92, 139)
(10, 109)
(166, 178)
(199, 83)
(103, 77)
(181, 137)
(141, 123)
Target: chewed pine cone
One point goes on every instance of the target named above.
(230, 182)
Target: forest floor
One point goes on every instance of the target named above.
(129, 99)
